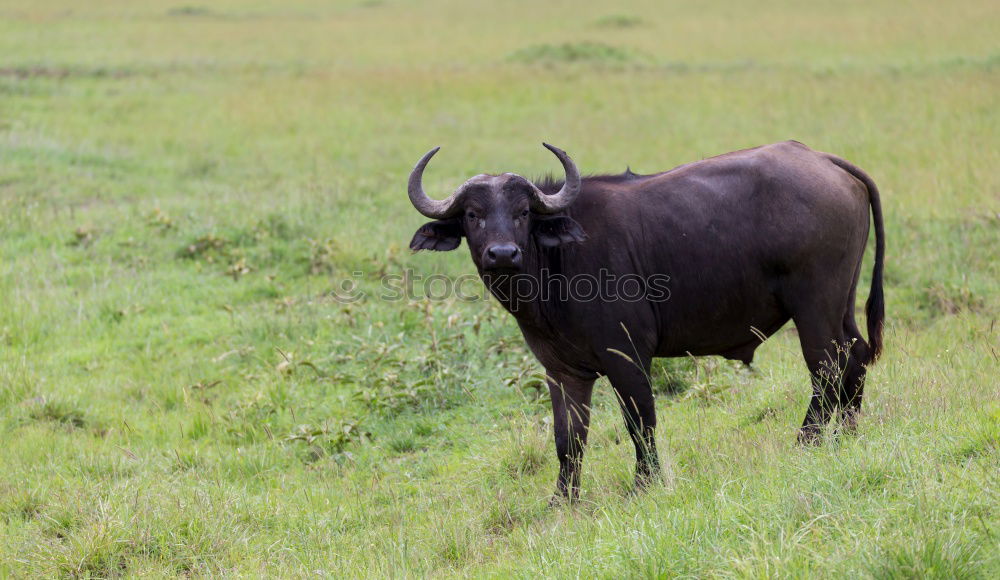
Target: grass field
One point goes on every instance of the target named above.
(183, 185)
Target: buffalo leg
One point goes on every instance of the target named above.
(571, 420)
(630, 381)
(823, 350)
(853, 386)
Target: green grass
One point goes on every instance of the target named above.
(182, 185)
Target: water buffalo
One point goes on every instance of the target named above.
(745, 241)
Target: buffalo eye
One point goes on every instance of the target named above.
(524, 213)
(471, 215)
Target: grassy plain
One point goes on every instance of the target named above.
(182, 185)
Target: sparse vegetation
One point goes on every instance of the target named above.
(185, 187)
(619, 21)
(573, 52)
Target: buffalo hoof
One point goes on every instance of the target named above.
(637, 489)
(849, 422)
(644, 480)
(810, 436)
(560, 499)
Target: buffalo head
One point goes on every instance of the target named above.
(501, 216)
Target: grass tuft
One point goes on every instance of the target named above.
(59, 412)
(594, 53)
(936, 557)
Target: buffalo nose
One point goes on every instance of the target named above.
(503, 256)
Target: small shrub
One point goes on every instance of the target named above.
(389, 393)
(530, 380)
(430, 380)
(238, 269)
(329, 439)
(706, 385)
(322, 256)
(207, 247)
(158, 219)
(83, 236)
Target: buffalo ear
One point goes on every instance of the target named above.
(441, 236)
(556, 230)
